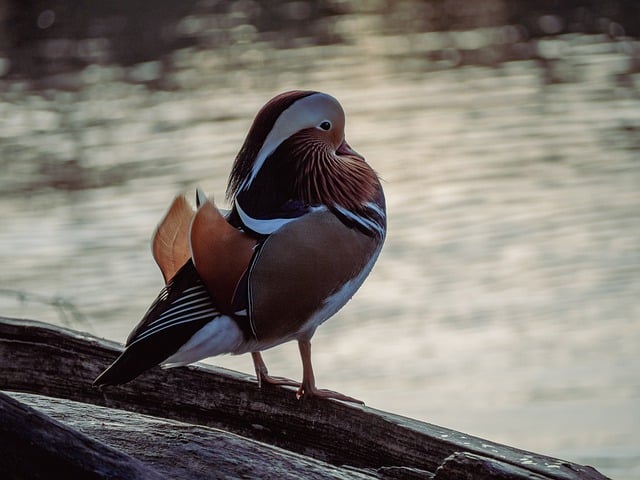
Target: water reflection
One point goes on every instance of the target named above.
(55, 37)
(505, 303)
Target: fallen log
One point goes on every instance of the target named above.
(34, 446)
(52, 361)
(202, 452)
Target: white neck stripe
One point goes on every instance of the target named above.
(262, 226)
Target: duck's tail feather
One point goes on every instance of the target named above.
(181, 309)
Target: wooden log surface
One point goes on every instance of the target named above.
(34, 446)
(52, 361)
(181, 450)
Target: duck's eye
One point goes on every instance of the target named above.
(326, 125)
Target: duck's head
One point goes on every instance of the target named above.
(296, 150)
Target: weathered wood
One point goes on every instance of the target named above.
(34, 446)
(181, 450)
(63, 363)
(459, 464)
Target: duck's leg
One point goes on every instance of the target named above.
(308, 386)
(263, 376)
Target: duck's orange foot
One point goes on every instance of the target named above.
(310, 392)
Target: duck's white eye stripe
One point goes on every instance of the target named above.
(310, 111)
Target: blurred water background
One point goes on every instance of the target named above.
(506, 302)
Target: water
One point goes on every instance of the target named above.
(506, 302)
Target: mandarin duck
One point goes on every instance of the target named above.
(307, 223)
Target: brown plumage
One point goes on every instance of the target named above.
(324, 178)
(221, 254)
(170, 244)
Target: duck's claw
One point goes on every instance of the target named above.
(320, 393)
(269, 380)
